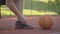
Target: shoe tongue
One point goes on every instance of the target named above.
(22, 24)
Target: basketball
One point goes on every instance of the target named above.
(46, 21)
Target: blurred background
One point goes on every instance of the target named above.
(34, 7)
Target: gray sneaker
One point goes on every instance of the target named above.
(20, 25)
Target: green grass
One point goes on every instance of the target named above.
(36, 7)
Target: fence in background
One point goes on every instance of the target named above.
(35, 7)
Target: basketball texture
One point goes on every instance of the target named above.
(46, 21)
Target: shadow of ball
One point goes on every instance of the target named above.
(46, 22)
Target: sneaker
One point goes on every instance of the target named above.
(20, 25)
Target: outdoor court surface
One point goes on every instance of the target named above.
(7, 25)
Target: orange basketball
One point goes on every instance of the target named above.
(46, 21)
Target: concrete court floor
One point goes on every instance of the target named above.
(7, 25)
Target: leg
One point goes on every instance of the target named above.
(21, 21)
(11, 5)
(19, 5)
